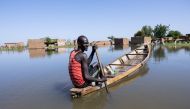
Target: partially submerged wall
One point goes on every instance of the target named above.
(36, 43)
(121, 41)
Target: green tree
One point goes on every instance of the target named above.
(174, 34)
(111, 38)
(48, 40)
(160, 31)
(147, 31)
(139, 33)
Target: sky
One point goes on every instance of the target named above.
(21, 20)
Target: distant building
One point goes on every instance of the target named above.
(140, 40)
(41, 43)
(168, 39)
(101, 43)
(185, 38)
(121, 41)
(60, 42)
(188, 35)
(75, 42)
(36, 43)
(10, 45)
(1, 46)
(14, 45)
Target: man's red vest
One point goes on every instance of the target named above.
(75, 70)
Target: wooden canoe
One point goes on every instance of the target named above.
(120, 68)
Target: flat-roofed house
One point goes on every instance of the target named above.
(36, 43)
(169, 39)
(185, 38)
(140, 40)
(60, 42)
(188, 35)
(121, 41)
(14, 45)
(101, 43)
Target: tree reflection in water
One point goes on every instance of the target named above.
(175, 49)
(159, 53)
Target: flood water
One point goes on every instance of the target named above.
(37, 79)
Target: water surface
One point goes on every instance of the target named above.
(37, 79)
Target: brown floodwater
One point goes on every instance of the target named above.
(39, 79)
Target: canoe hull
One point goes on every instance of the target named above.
(121, 61)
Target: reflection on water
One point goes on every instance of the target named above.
(139, 73)
(159, 53)
(99, 99)
(61, 50)
(120, 47)
(36, 53)
(172, 49)
(96, 100)
(12, 50)
(113, 48)
(44, 83)
(134, 46)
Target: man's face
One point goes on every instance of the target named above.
(85, 45)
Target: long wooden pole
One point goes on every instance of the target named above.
(101, 68)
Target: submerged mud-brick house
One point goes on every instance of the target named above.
(188, 35)
(169, 39)
(14, 45)
(140, 40)
(75, 42)
(121, 41)
(36, 44)
(43, 43)
(100, 43)
(185, 38)
(61, 42)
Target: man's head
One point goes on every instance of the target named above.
(83, 43)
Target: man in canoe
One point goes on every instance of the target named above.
(79, 65)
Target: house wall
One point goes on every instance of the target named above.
(101, 42)
(10, 45)
(20, 44)
(137, 40)
(14, 45)
(60, 42)
(140, 40)
(36, 43)
(121, 41)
